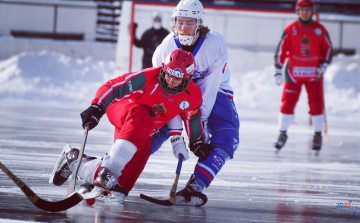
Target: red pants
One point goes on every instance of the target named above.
(133, 123)
(292, 92)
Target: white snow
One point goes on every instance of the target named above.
(51, 76)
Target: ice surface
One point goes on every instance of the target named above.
(42, 95)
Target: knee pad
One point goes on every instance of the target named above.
(121, 152)
(207, 169)
(88, 169)
(226, 139)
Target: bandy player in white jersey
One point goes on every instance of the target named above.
(219, 114)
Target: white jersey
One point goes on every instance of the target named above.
(211, 73)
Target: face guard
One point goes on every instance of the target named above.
(163, 77)
(188, 9)
(175, 75)
(189, 23)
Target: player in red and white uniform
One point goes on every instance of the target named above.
(306, 46)
(138, 104)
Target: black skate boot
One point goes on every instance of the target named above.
(281, 140)
(62, 171)
(108, 181)
(317, 141)
(191, 195)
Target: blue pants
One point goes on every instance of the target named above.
(223, 126)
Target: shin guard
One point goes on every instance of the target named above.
(207, 169)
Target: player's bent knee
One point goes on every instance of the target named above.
(226, 139)
(121, 152)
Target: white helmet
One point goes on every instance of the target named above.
(190, 9)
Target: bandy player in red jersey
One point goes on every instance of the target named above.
(138, 104)
(306, 46)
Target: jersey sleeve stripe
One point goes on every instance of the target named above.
(279, 51)
(328, 54)
(120, 89)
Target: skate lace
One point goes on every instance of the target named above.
(194, 185)
(66, 172)
(112, 180)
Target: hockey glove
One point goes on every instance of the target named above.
(91, 116)
(134, 28)
(321, 70)
(179, 147)
(200, 149)
(278, 77)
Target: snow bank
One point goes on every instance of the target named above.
(50, 76)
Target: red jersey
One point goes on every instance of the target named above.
(305, 46)
(143, 88)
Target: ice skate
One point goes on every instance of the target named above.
(62, 170)
(86, 188)
(191, 195)
(106, 182)
(281, 141)
(317, 142)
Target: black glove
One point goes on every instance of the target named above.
(91, 116)
(135, 27)
(200, 149)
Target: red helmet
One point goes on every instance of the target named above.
(305, 3)
(179, 64)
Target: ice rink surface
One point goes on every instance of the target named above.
(256, 186)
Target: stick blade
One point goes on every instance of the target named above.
(52, 206)
(156, 201)
(57, 206)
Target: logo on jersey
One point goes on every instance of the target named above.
(305, 46)
(176, 73)
(305, 72)
(198, 74)
(130, 86)
(236, 144)
(219, 162)
(184, 105)
(159, 108)
(167, 97)
(318, 31)
(223, 70)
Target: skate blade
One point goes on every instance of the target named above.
(194, 201)
(65, 149)
(83, 190)
(91, 195)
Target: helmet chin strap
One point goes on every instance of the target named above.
(186, 39)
